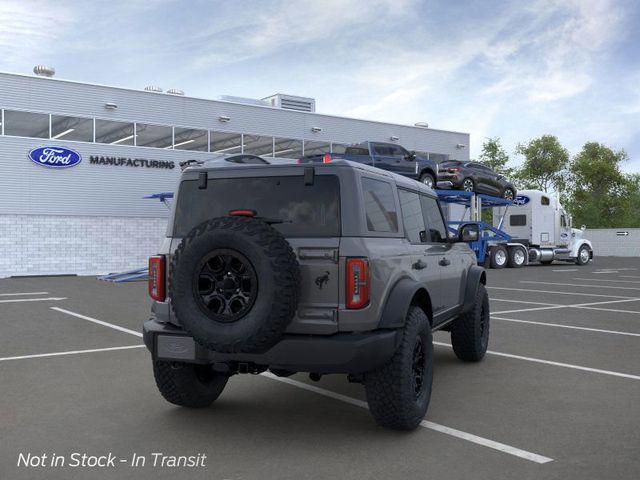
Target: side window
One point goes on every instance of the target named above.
(397, 151)
(517, 220)
(437, 232)
(544, 201)
(382, 150)
(412, 216)
(380, 207)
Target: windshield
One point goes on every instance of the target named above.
(305, 210)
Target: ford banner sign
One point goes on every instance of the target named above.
(521, 200)
(55, 157)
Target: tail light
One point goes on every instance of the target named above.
(454, 170)
(326, 158)
(357, 283)
(157, 277)
(242, 213)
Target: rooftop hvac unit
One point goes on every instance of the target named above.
(291, 102)
(44, 71)
(175, 91)
(153, 88)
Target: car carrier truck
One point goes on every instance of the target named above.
(534, 228)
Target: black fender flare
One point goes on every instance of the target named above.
(396, 307)
(430, 171)
(475, 276)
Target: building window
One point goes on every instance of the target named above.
(380, 206)
(71, 128)
(26, 124)
(190, 139)
(316, 148)
(257, 145)
(287, 148)
(226, 142)
(157, 136)
(115, 133)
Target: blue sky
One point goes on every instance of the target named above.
(514, 69)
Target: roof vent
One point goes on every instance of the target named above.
(291, 102)
(175, 91)
(44, 71)
(422, 124)
(153, 88)
(244, 100)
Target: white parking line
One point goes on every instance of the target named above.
(588, 306)
(556, 364)
(572, 327)
(27, 293)
(559, 293)
(520, 301)
(581, 285)
(533, 457)
(629, 276)
(99, 322)
(606, 280)
(567, 270)
(20, 300)
(70, 352)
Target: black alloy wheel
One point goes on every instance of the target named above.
(225, 285)
(419, 366)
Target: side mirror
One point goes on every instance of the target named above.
(411, 156)
(469, 232)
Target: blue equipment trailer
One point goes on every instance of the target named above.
(474, 203)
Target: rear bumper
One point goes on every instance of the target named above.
(339, 353)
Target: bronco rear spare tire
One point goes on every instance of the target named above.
(234, 284)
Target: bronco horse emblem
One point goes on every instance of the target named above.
(321, 280)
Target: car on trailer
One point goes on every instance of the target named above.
(321, 268)
(475, 177)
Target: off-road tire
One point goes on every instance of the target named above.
(470, 331)
(427, 176)
(512, 261)
(579, 260)
(278, 284)
(390, 390)
(187, 384)
(495, 256)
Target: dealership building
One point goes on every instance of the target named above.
(119, 145)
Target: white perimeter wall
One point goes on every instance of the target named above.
(611, 242)
(54, 244)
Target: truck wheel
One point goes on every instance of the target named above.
(517, 257)
(584, 255)
(187, 384)
(498, 255)
(234, 284)
(508, 194)
(470, 331)
(428, 180)
(399, 392)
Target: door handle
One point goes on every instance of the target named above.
(419, 265)
(444, 262)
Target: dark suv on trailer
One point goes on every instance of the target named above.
(475, 177)
(330, 268)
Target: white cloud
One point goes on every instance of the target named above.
(30, 29)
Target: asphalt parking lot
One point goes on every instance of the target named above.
(556, 397)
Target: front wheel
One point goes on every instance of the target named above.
(187, 384)
(470, 331)
(399, 392)
(508, 194)
(428, 180)
(584, 255)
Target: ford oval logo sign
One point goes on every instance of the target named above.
(55, 157)
(521, 200)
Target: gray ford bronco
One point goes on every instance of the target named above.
(329, 268)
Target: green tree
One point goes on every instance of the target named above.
(600, 194)
(494, 156)
(545, 164)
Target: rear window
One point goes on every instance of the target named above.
(306, 210)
